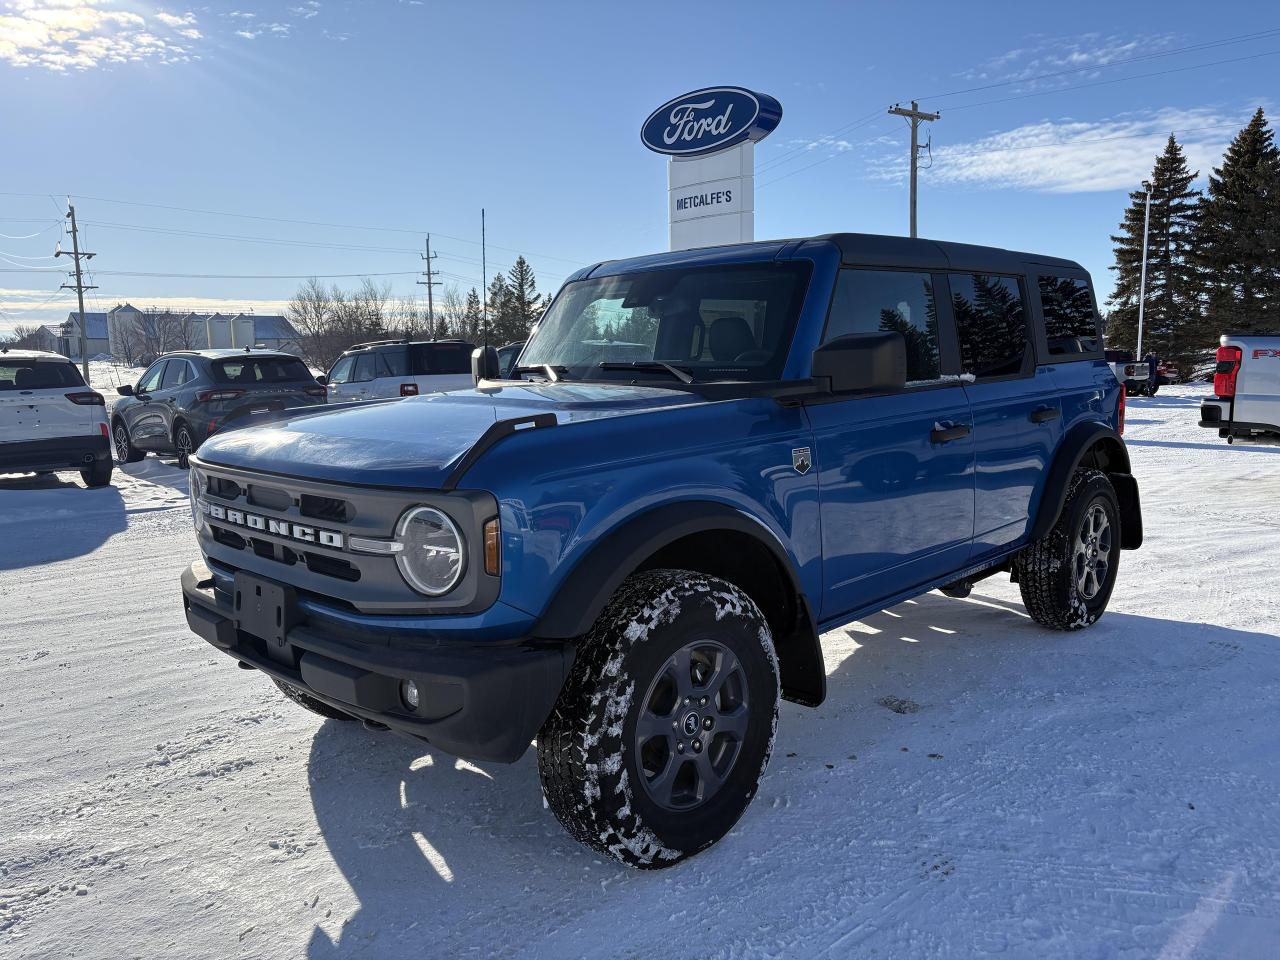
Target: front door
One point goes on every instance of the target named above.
(144, 416)
(895, 471)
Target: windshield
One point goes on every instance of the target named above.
(713, 323)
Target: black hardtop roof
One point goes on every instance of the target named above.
(864, 249)
(880, 250)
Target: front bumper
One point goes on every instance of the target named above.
(59, 453)
(480, 698)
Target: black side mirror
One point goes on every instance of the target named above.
(125, 391)
(863, 363)
(484, 364)
(322, 380)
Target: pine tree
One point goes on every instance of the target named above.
(526, 302)
(1171, 323)
(469, 326)
(502, 321)
(1239, 239)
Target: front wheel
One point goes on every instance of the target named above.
(663, 730)
(1066, 576)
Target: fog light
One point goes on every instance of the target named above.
(409, 693)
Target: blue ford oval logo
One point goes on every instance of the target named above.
(711, 119)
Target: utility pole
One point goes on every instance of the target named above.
(429, 273)
(916, 116)
(79, 287)
(1142, 275)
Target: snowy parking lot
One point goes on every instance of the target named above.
(973, 783)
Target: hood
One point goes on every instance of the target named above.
(416, 442)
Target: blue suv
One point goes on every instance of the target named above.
(629, 546)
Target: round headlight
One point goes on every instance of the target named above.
(433, 557)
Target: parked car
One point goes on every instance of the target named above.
(1246, 390)
(184, 398)
(1132, 373)
(400, 368)
(1167, 373)
(49, 419)
(633, 558)
(507, 357)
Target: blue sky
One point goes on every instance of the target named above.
(410, 116)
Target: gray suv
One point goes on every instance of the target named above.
(185, 397)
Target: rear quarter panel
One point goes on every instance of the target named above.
(562, 489)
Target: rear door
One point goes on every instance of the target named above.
(1017, 413)
(896, 490)
(34, 404)
(1072, 348)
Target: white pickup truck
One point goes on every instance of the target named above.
(1246, 390)
(1132, 373)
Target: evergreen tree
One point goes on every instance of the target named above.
(472, 319)
(1239, 240)
(1171, 324)
(526, 302)
(502, 320)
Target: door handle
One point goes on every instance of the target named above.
(945, 434)
(1045, 414)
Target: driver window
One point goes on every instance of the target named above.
(899, 301)
(151, 379)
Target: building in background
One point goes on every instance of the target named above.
(139, 336)
(68, 337)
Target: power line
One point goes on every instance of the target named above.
(915, 116)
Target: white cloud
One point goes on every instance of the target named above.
(307, 10)
(1075, 156)
(825, 143)
(62, 35)
(1041, 55)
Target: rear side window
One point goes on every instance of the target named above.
(877, 301)
(366, 365)
(393, 363)
(440, 358)
(991, 324)
(257, 370)
(176, 374)
(1070, 324)
(38, 375)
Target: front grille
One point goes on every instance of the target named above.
(272, 498)
(228, 538)
(328, 509)
(332, 567)
(223, 489)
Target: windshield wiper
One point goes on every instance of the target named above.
(553, 374)
(681, 375)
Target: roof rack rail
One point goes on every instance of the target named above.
(377, 343)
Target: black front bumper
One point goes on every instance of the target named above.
(59, 453)
(485, 701)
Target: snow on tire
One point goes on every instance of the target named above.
(1066, 576)
(658, 741)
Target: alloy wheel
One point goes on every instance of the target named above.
(121, 436)
(1091, 556)
(692, 724)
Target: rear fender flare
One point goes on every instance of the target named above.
(1091, 444)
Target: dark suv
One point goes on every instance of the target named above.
(708, 459)
(184, 398)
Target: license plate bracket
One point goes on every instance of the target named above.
(267, 610)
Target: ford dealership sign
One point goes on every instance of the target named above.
(708, 120)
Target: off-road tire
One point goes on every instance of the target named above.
(121, 439)
(99, 475)
(1046, 569)
(587, 750)
(303, 699)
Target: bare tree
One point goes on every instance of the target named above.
(24, 337)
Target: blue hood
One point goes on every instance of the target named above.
(417, 442)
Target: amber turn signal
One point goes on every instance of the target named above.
(492, 548)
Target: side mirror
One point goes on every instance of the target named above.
(322, 380)
(125, 391)
(484, 364)
(863, 363)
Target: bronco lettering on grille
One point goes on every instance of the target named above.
(281, 528)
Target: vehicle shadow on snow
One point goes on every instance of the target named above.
(46, 519)
(431, 845)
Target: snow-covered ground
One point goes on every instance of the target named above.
(1111, 793)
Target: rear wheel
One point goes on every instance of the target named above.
(99, 475)
(658, 741)
(1066, 576)
(126, 452)
(304, 699)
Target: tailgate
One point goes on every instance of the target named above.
(43, 415)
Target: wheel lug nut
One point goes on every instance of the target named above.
(706, 723)
(688, 700)
(680, 747)
(675, 725)
(697, 746)
(702, 702)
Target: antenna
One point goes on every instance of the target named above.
(484, 281)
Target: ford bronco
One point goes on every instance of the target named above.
(629, 548)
